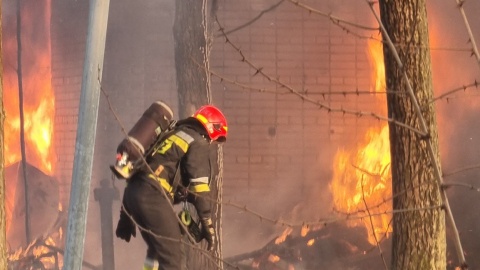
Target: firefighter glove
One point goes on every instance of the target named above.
(125, 227)
(208, 232)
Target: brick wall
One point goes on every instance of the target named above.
(270, 132)
(276, 139)
(69, 24)
(280, 148)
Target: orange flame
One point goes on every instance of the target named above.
(38, 96)
(361, 177)
(304, 231)
(41, 251)
(273, 258)
(284, 235)
(376, 57)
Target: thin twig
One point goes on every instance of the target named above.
(469, 30)
(473, 167)
(373, 227)
(451, 184)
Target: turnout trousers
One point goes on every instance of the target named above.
(152, 211)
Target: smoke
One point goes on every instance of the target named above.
(138, 70)
(452, 69)
(459, 125)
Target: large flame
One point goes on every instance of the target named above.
(361, 181)
(376, 58)
(38, 96)
(361, 176)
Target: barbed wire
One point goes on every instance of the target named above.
(338, 22)
(469, 30)
(177, 240)
(271, 8)
(305, 92)
(243, 86)
(467, 168)
(335, 20)
(447, 95)
(210, 257)
(429, 144)
(443, 96)
(262, 217)
(321, 222)
(304, 95)
(450, 92)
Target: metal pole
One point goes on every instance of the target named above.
(86, 131)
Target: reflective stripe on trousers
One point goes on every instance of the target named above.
(150, 264)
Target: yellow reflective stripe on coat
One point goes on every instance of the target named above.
(164, 183)
(199, 188)
(181, 139)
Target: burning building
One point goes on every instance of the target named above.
(287, 158)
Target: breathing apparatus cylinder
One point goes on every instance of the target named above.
(155, 120)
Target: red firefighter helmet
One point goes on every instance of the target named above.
(214, 122)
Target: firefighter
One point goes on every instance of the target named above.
(180, 165)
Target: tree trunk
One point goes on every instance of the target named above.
(3, 228)
(418, 236)
(191, 55)
(193, 36)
